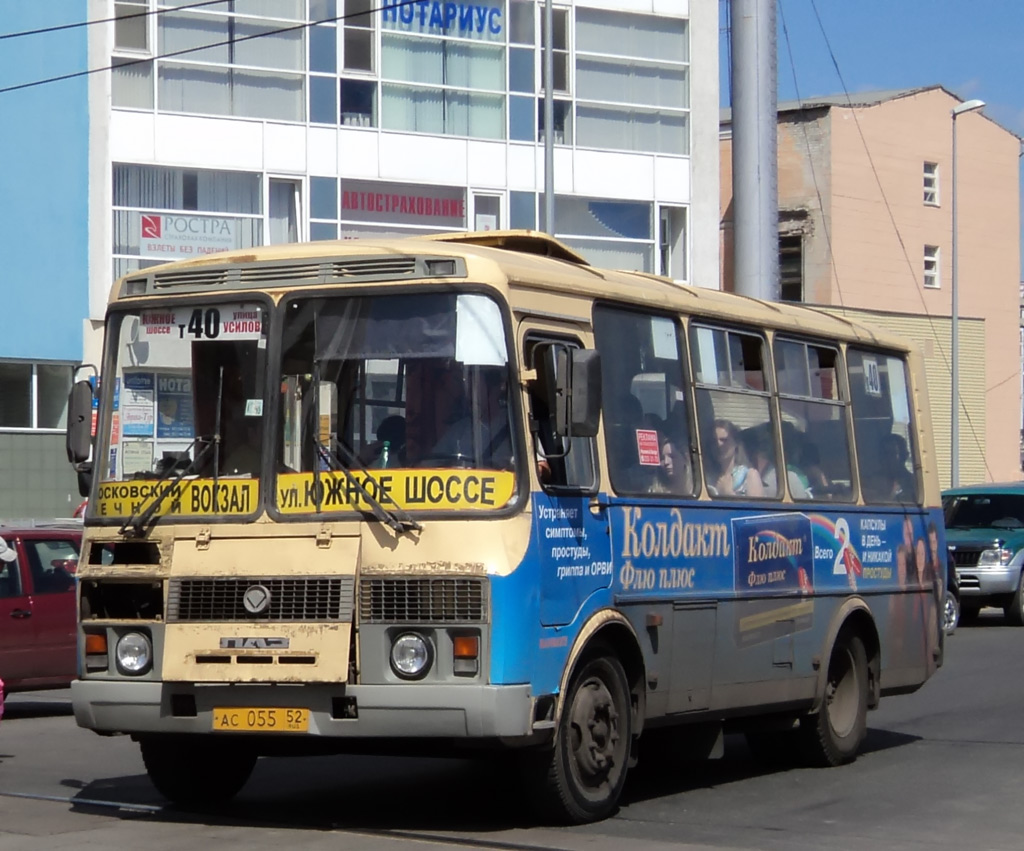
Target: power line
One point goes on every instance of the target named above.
(899, 237)
(810, 158)
(118, 18)
(123, 63)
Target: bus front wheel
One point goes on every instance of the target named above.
(585, 772)
(834, 734)
(196, 771)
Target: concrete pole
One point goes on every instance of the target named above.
(755, 187)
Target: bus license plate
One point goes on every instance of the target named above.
(243, 719)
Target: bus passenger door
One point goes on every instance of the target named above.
(571, 539)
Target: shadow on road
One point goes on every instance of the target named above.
(351, 792)
(738, 764)
(20, 707)
(389, 794)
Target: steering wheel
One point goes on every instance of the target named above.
(458, 460)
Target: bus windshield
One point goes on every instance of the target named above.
(183, 376)
(403, 382)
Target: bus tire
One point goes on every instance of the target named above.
(833, 735)
(585, 771)
(196, 772)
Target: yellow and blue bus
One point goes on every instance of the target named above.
(469, 494)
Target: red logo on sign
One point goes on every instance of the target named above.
(151, 227)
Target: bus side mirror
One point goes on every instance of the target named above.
(79, 435)
(578, 392)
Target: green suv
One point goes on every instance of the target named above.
(985, 534)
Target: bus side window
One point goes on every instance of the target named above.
(815, 442)
(737, 422)
(560, 464)
(887, 455)
(647, 418)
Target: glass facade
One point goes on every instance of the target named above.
(621, 82)
(461, 69)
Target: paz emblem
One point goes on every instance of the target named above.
(256, 599)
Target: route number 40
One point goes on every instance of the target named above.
(203, 323)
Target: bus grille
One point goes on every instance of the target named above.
(436, 600)
(308, 598)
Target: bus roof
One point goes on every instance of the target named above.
(532, 263)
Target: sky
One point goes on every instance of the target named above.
(973, 48)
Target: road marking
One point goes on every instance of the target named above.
(88, 802)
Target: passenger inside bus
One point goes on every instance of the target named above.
(898, 483)
(728, 471)
(476, 423)
(762, 454)
(675, 475)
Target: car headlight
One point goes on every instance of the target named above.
(410, 656)
(995, 555)
(134, 653)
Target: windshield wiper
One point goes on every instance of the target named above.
(397, 520)
(137, 528)
(135, 525)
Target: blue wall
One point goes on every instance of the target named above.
(44, 182)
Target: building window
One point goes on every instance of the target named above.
(562, 124)
(358, 25)
(131, 83)
(34, 395)
(559, 49)
(632, 82)
(931, 266)
(486, 212)
(227, 63)
(931, 184)
(522, 210)
(160, 213)
(443, 86)
(610, 234)
(791, 268)
(131, 25)
(672, 243)
(358, 100)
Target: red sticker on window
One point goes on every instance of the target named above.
(647, 447)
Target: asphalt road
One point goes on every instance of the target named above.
(941, 770)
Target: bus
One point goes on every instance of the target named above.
(467, 494)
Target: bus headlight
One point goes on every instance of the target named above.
(410, 656)
(995, 555)
(134, 653)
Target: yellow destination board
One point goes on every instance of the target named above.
(295, 493)
(458, 490)
(189, 497)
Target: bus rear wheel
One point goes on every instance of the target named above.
(833, 735)
(585, 772)
(194, 771)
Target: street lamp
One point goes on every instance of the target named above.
(954, 423)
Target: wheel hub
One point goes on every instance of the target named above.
(595, 724)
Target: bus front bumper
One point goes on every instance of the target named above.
(369, 711)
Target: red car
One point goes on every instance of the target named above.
(38, 562)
